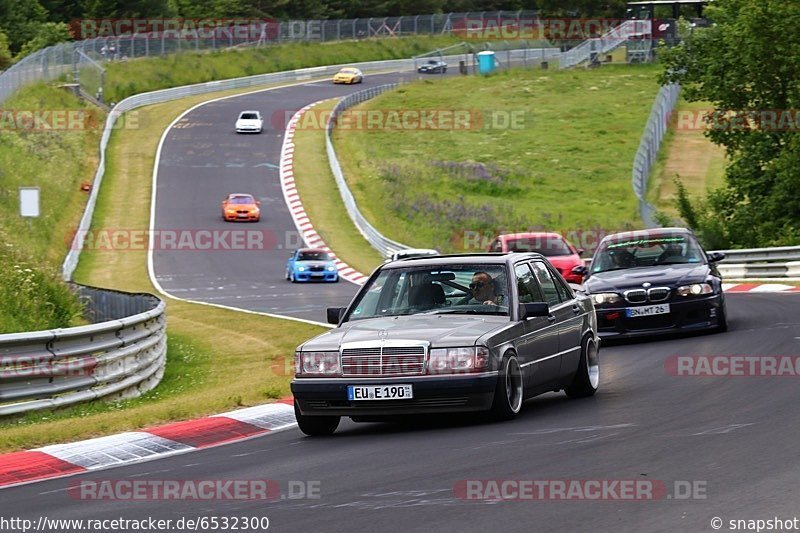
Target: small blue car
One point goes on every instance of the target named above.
(311, 264)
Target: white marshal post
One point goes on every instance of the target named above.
(29, 202)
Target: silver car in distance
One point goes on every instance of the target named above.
(450, 333)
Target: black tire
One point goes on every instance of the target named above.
(444, 70)
(316, 426)
(509, 392)
(587, 377)
(722, 319)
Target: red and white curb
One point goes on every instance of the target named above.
(759, 287)
(60, 460)
(298, 212)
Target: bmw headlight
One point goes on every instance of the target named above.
(602, 298)
(331, 268)
(697, 289)
(301, 268)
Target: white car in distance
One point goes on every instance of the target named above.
(412, 252)
(249, 122)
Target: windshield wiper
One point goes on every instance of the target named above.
(463, 312)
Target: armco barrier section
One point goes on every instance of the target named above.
(120, 357)
(384, 245)
(780, 262)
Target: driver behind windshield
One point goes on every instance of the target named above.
(482, 290)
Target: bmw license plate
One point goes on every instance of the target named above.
(379, 392)
(648, 310)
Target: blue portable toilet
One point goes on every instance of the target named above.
(486, 62)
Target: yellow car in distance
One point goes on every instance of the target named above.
(348, 75)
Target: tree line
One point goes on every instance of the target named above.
(748, 67)
(28, 25)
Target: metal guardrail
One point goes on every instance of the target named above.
(780, 262)
(121, 355)
(654, 132)
(384, 245)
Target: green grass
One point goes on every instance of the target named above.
(32, 297)
(56, 162)
(321, 198)
(565, 166)
(125, 78)
(689, 155)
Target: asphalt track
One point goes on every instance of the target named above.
(736, 438)
(202, 160)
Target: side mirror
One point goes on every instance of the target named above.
(581, 251)
(335, 314)
(258, 202)
(580, 270)
(529, 310)
(715, 257)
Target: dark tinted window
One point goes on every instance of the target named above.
(313, 256)
(547, 245)
(527, 287)
(547, 282)
(249, 116)
(646, 249)
(241, 200)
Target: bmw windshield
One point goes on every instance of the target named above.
(449, 289)
(646, 251)
(313, 256)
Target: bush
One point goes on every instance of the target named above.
(32, 296)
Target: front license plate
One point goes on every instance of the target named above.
(649, 310)
(379, 392)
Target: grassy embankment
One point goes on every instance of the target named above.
(57, 161)
(563, 165)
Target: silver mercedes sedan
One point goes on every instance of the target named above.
(452, 333)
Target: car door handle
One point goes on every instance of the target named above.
(576, 309)
(551, 318)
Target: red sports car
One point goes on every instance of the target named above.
(561, 254)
